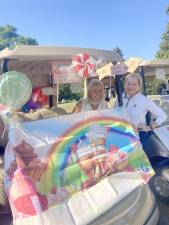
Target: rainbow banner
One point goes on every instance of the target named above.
(52, 161)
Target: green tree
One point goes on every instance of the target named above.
(118, 52)
(154, 86)
(9, 38)
(163, 52)
(70, 92)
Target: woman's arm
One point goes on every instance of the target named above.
(160, 115)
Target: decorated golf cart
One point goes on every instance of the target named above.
(158, 143)
(83, 168)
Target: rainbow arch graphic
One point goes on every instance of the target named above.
(59, 154)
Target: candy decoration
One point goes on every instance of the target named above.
(37, 100)
(119, 69)
(15, 89)
(84, 65)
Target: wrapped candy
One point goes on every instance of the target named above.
(119, 69)
(84, 65)
(15, 90)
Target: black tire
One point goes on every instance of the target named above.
(159, 184)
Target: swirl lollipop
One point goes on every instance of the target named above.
(15, 90)
(84, 65)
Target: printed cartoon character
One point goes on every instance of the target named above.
(94, 159)
(22, 192)
(33, 166)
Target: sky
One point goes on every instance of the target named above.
(135, 26)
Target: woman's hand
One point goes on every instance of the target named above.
(153, 125)
(144, 127)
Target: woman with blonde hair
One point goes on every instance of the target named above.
(95, 98)
(137, 106)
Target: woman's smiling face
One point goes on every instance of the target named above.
(96, 93)
(132, 86)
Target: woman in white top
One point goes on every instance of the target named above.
(95, 98)
(137, 106)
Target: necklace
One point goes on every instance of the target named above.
(129, 97)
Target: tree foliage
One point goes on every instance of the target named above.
(154, 86)
(163, 52)
(118, 53)
(70, 92)
(9, 38)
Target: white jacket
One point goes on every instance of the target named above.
(137, 107)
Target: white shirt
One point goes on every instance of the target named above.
(87, 107)
(137, 107)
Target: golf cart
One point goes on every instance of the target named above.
(158, 145)
(158, 153)
(88, 188)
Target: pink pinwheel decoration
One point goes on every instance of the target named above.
(84, 65)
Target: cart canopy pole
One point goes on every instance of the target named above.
(4, 65)
(118, 86)
(143, 79)
(50, 96)
(119, 89)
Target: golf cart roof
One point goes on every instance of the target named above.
(36, 52)
(37, 61)
(152, 67)
(156, 63)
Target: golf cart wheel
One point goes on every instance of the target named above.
(160, 187)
